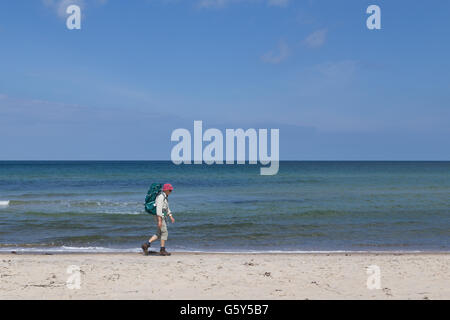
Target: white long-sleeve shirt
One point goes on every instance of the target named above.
(162, 205)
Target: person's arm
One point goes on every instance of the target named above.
(170, 213)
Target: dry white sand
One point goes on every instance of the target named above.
(225, 276)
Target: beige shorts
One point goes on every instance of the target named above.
(161, 233)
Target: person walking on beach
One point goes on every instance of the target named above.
(162, 211)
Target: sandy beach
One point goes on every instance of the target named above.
(225, 276)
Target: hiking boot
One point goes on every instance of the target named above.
(163, 252)
(145, 247)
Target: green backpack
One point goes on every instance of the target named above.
(153, 192)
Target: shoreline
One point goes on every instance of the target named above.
(325, 253)
(194, 252)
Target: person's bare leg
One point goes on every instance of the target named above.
(163, 243)
(152, 239)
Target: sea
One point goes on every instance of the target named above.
(309, 206)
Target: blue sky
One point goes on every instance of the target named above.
(137, 70)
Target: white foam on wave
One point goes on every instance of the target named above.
(4, 203)
(65, 249)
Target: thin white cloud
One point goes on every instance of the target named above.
(278, 3)
(316, 39)
(212, 3)
(279, 56)
(217, 4)
(340, 71)
(60, 6)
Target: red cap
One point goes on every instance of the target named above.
(167, 187)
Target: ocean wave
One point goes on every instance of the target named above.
(66, 249)
(218, 226)
(4, 203)
(77, 207)
(74, 194)
(262, 201)
(74, 203)
(299, 181)
(84, 213)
